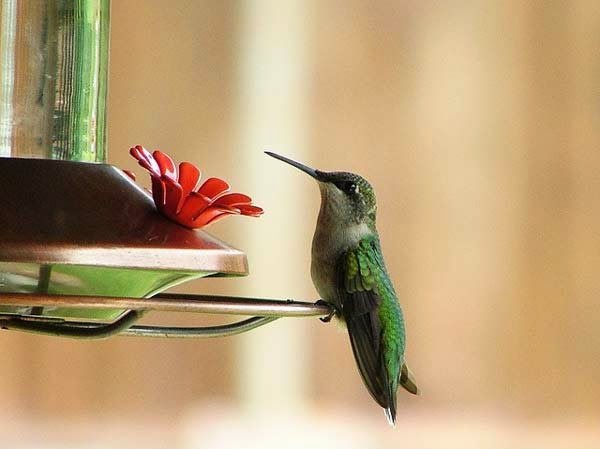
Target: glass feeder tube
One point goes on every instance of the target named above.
(53, 79)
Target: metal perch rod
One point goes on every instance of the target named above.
(266, 311)
(173, 302)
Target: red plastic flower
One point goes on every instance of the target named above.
(176, 196)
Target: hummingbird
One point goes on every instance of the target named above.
(349, 273)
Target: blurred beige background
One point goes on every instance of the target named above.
(477, 123)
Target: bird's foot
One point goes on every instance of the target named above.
(332, 308)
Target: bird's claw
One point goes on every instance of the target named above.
(332, 308)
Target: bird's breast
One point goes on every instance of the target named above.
(323, 276)
(327, 247)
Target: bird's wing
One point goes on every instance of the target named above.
(363, 286)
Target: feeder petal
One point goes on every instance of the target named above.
(217, 218)
(233, 199)
(189, 175)
(250, 210)
(208, 215)
(158, 192)
(145, 159)
(130, 174)
(213, 188)
(174, 195)
(193, 205)
(167, 167)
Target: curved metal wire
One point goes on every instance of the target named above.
(223, 330)
(72, 330)
(124, 327)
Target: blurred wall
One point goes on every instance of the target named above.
(476, 122)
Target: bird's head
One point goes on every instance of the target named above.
(346, 198)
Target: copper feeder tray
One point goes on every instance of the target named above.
(84, 253)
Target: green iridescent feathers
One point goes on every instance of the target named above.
(365, 271)
(374, 320)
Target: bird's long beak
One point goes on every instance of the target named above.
(306, 169)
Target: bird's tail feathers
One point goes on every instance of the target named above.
(407, 380)
(390, 407)
(390, 415)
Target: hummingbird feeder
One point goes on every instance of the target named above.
(84, 252)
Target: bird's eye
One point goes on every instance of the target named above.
(349, 187)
